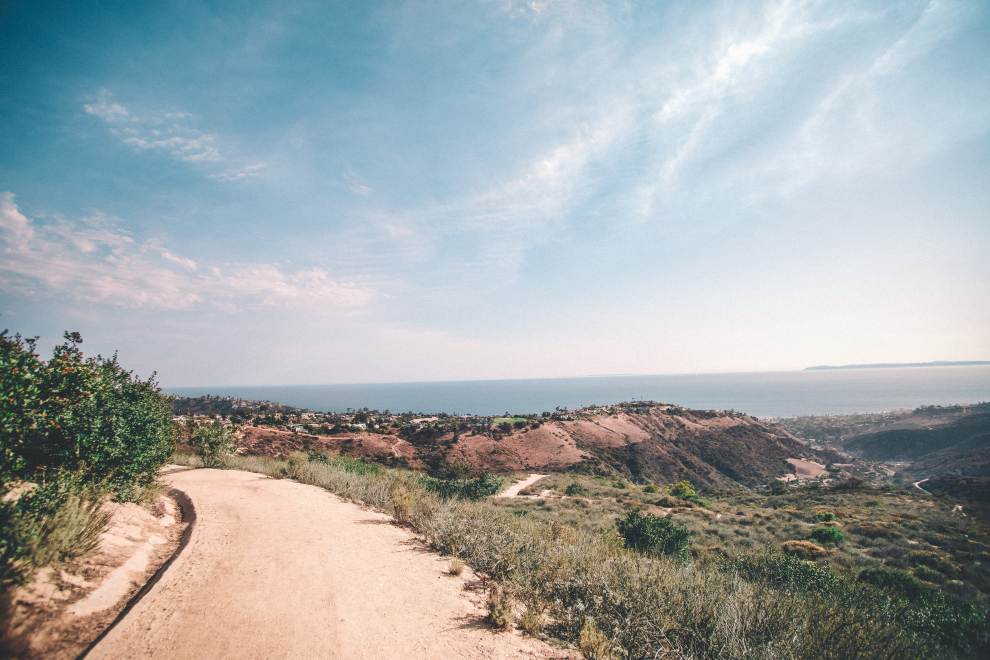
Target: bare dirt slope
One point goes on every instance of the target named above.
(277, 569)
(653, 442)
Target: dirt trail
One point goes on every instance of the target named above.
(519, 486)
(277, 569)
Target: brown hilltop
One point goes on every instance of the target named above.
(654, 442)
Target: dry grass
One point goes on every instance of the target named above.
(49, 525)
(804, 549)
(456, 567)
(533, 620)
(640, 606)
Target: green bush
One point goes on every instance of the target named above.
(778, 487)
(84, 415)
(685, 490)
(895, 580)
(828, 535)
(650, 488)
(346, 463)
(212, 443)
(474, 488)
(928, 574)
(925, 617)
(824, 516)
(654, 535)
(783, 571)
(574, 489)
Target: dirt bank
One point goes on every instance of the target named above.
(65, 607)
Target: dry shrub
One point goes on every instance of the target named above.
(562, 532)
(456, 566)
(402, 502)
(533, 620)
(499, 607)
(804, 549)
(594, 644)
(874, 530)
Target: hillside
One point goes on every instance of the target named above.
(946, 446)
(957, 437)
(641, 441)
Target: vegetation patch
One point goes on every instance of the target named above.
(73, 430)
(574, 489)
(212, 443)
(762, 604)
(828, 535)
(804, 549)
(468, 488)
(654, 534)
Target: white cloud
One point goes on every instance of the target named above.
(15, 226)
(247, 172)
(185, 262)
(169, 133)
(107, 109)
(94, 260)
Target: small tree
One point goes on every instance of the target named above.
(654, 535)
(212, 442)
(683, 489)
(832, 535)
(686, 491)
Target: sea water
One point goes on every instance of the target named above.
(767, 394)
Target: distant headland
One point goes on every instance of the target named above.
(894, 365)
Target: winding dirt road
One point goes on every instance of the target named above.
(277, 569)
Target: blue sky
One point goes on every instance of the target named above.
(314, 192)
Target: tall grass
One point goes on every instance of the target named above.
(60, 519)
(588, 586)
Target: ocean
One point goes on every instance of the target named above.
(766, 394)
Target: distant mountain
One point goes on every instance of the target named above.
(894, 365)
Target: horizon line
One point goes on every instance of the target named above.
(850, 367)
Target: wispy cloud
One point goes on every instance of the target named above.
(854, 126)
(356, 185)
(493, 229)
(95, 260)
(238, 174)
(169, 133)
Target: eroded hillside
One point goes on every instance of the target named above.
(644, 442)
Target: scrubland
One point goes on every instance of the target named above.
(570, 577)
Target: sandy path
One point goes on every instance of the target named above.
(917, 484)
(277, 569)
(519, 486)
